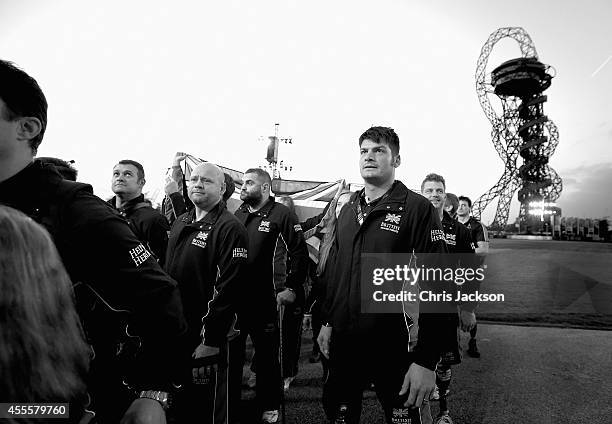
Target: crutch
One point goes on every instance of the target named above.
(281, 313)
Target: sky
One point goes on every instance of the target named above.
(144, 79)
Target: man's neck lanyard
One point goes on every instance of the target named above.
(360, 215)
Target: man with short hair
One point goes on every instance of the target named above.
(148, 224)
(104, 259)
(269, 225)
(458, 239)
(481, 238)
(384, 217)
(207, 254)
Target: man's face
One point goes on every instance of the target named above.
(206, 186)
(435, 193)
(342, 200)
(125, 180)
(252, 189)
(464, 208)
(376, 162)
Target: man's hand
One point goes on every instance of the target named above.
(204, 351)
(286, 297)
(171, 186)
(324, 339)
(178, 158)
(307, 322)
(419, 382)
(144, 411)
(468, 320)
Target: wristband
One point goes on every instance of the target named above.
(162, 397)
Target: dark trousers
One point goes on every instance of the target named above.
(215, 400)
(265, 337)
(356, 360)
(292, 339)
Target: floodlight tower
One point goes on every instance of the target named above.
(274, 165)
(521, 130)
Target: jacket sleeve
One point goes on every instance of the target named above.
(106, 255)
(178, 203)
(231, 261)
(292, 234)
(467, 260)
(157, 234)
(312, 222)
(429, 239)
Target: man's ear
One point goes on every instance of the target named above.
(397, 161)
(142, 182)
(29, 127)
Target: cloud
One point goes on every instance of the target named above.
(586, 191)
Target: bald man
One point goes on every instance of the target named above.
(207, 252)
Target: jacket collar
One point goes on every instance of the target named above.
(29, 186)
(210, 218)
(397, 195)
(127, 206)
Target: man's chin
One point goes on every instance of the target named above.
(250, 201)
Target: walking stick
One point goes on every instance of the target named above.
(281, 313)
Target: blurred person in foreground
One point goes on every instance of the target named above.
(130, 309)
(44, 356)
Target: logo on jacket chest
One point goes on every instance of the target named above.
(200, 239)
(264, 226)
(391, 223)
(451, 239)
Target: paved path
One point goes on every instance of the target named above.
(526, 375)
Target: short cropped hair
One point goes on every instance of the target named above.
(140, 170)
(434, 177)
(67, 171)
(382, 135)
(467, 200)
(260, 173)
(23, 98)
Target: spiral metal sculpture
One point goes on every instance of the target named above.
(521, 130)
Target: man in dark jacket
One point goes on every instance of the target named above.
(480, 238)
(458, 240)
(207, 254)
(148, 224)
(385, 217)
(101, 255)
(268, 224)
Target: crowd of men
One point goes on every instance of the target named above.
(168, 299)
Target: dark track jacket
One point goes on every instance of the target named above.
(418, 229)
(98, 248)
(148, 225)
(208, 259)
(268, 227)
(459, 240)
